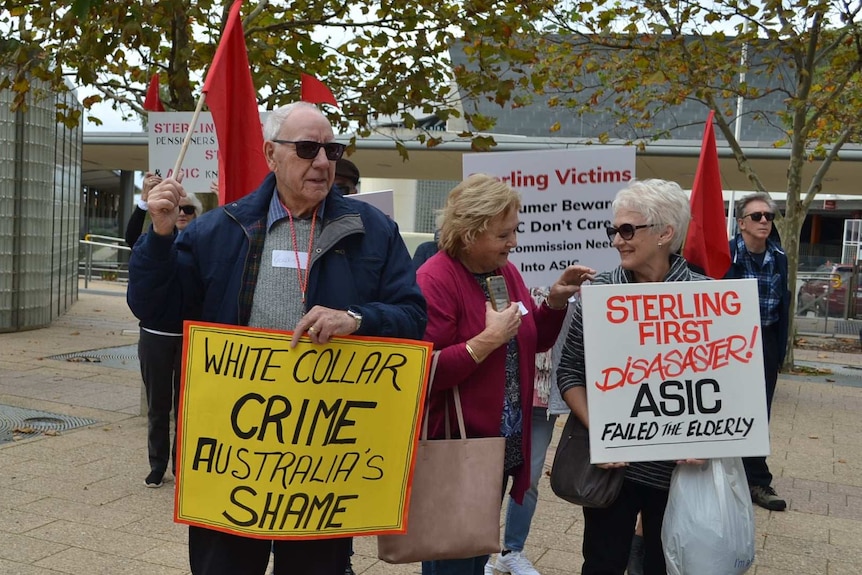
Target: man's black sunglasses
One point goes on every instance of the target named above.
(756, 216)
(308, 150)
(626, 231)
(187, 209)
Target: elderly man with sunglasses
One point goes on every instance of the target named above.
(289, 256)
(755, 255)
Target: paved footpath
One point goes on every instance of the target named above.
(74, 502)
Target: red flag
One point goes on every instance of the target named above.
(314, 91)
(706, 242)
(153, 103)
(232, 99)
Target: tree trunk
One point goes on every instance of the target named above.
(790, 229)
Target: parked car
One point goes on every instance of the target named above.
(828, 293)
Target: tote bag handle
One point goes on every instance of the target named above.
(459, 412)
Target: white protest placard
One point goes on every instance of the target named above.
(167, 130)
(566, 198)
(383, 200)
(674, 371)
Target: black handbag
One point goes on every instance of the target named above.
(574, 478)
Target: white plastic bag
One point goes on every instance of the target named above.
(708, 524)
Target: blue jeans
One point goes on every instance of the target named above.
(519, 517)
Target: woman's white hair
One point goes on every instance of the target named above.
(194, 201)
(661, 202)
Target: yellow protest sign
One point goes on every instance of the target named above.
(311, 442)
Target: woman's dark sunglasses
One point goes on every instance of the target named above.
(626, 231)
(187, 210)
(756, 216)
(308, 150)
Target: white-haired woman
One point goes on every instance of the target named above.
(160, 352)
(650, 222)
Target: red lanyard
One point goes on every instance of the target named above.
(303, 277)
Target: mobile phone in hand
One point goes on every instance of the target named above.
(499, 292)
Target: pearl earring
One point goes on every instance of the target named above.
(659, 244)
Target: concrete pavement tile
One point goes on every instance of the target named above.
(805, 506)
(73, 511)
(110, 541)
(563, 561)
(554, 539)
(161, 527)
(851, 490)
(844, 539)
(168, 554)
(831, 499)
(12, 498)
(790, 562)
(17, 521)
(22, 569)
(842, 568)
(816, 445)
(25, 549)
(845, 512)
(383, 568)
(76, 561)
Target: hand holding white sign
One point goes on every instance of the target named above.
(163, 204)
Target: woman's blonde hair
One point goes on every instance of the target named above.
(469, 208)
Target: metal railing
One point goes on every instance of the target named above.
(92, 241)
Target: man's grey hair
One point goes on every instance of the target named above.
(276, 119)
(755, 197)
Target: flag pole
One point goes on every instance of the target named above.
(188, 137)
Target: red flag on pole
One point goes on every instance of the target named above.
(314, 91)
(232, 99)
(153, 102)
(706, 242)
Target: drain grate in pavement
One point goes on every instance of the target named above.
(121, 357)
(16, 422)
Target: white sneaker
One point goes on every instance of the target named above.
(489, 568)
(515, 563)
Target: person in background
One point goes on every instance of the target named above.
(160, 347)
(547, 405)
(222, 270)
(425, 250)
(650, 222)
(754, 254)
(346, 180)
(489, 354)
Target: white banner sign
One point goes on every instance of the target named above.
(566, 198)
(167, 130)
(674, 371)
(383, 200)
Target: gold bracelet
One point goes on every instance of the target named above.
(471, 352)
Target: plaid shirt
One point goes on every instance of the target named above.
(769, 287)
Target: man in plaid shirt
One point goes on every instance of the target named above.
(755, 255)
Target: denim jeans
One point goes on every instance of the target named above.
(519, 517)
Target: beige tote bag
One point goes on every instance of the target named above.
(454, 509)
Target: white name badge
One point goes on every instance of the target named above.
(289, 259)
